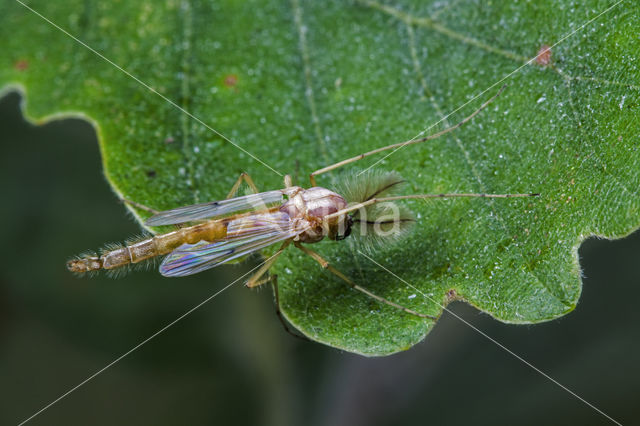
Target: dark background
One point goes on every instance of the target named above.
(230, 361)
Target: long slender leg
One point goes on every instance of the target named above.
(327, 265)
(147, 209)
(139, 206)
(234, 189)
(420, 197)
(255, 281)
(243, 177)
(313, 175)
(274, 282)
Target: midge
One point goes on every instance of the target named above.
(221, 231)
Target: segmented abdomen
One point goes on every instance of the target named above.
(149, 248)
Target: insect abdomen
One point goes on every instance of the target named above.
(116, 257)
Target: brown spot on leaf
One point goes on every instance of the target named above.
(231, 80)
(543, 57)
(21, 65)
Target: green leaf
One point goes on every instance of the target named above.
(303, 84)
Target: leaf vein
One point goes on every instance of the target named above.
(306, 63)
(430, 23)
(418, 69)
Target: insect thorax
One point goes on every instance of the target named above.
(310, 206)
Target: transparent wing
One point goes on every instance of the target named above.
(244, 236)
(215, 208)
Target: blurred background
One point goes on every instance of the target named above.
(230, 361)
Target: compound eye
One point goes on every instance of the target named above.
(347, 230)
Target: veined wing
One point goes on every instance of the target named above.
(244, 236)
(216, 208)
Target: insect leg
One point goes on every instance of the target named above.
(243, 177)
(255, 281)
(147, 209)
(274, 282)
(399, 145)
(139, 206)
(327, 265)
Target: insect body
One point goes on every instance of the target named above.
(202, 246)
(222, 231)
